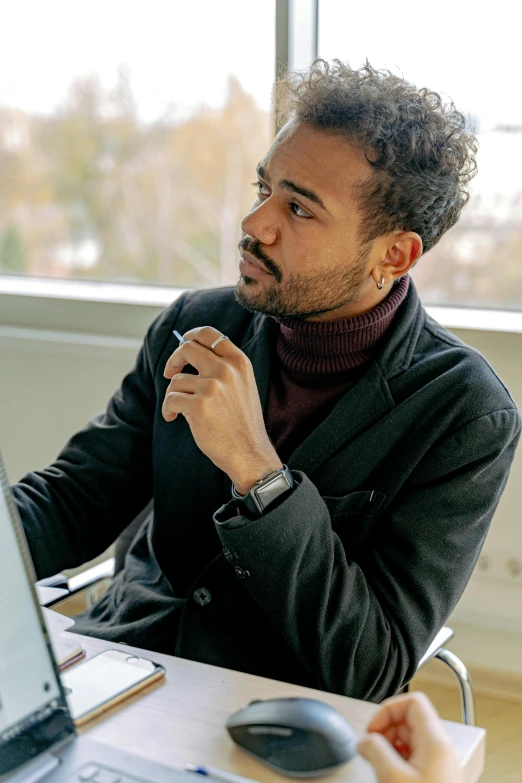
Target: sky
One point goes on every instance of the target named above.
(180, 52)
(467, 49)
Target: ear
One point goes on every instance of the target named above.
(404, 250)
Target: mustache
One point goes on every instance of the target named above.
(254, 246)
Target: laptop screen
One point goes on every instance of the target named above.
(33, 711)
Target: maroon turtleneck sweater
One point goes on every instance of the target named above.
(318, 363)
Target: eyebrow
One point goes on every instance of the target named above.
(289, 185)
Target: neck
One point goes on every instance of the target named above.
(340, 345)
(369, 300)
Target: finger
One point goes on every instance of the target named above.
(390, 732)
(403, 748)
(393, 711)
(428, 738)
(398, 732)
(412, 721)
(185, 382)
(387, 763)
(421, 704)
(175, 403)
(207, 336)
(399, 737)
(192, 353)
(399, 710)
(190, 395)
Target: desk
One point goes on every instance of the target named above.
(182, 719)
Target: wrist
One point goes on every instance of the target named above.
(245, 478)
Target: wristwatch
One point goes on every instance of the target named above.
(264, 492)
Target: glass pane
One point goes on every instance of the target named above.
(129, 136)
(471, 53)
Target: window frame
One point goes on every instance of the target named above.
(122, 311)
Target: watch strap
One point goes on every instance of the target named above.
(264, 492)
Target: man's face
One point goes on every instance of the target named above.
(303, 229)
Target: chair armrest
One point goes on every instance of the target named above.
(48, 596)
(91, 576)
(58, 580)
(442, 638)
(74, 584)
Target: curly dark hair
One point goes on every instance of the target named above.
(421, 149)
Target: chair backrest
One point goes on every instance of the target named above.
(442, 638)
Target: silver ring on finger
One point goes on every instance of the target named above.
(216, 342)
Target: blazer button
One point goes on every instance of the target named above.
(202, 596)
(230, 555)
(241, 572)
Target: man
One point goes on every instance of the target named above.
(367, 447)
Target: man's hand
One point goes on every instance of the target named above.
(407, 743)
(221, 405)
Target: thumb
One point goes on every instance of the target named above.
(389, 765)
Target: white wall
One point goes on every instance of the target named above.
(488, 619)
(52, 382)
(48, 391)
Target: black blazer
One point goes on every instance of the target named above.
(344, 583)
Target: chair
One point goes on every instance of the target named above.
(92, 577)
(437, 650)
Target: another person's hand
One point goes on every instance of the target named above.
(221, 405)
(406, 743)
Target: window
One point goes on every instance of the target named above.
(469, 52)
(129, 136)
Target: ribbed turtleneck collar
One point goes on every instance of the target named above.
(324, 347)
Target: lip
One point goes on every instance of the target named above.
(248, 261)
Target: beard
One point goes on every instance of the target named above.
(301, 296)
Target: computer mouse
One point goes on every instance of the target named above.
(296, 737)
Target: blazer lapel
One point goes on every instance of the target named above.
(360, 407)
(368, 401)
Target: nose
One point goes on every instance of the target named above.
(260, 223)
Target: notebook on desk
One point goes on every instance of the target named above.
(37, 735)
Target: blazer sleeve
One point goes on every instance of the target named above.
(359, 622)
(74, 509)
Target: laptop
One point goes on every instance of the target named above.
(37, 735)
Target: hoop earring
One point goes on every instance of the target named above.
(381, 284)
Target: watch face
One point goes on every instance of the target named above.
(271, 489)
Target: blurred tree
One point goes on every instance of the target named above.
(25, 191)
(478, 264)
(90, 136)
(12, 252)
(213, 157)
(163, 202)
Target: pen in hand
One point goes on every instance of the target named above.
(180, 338)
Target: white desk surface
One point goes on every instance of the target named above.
(182, 719)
